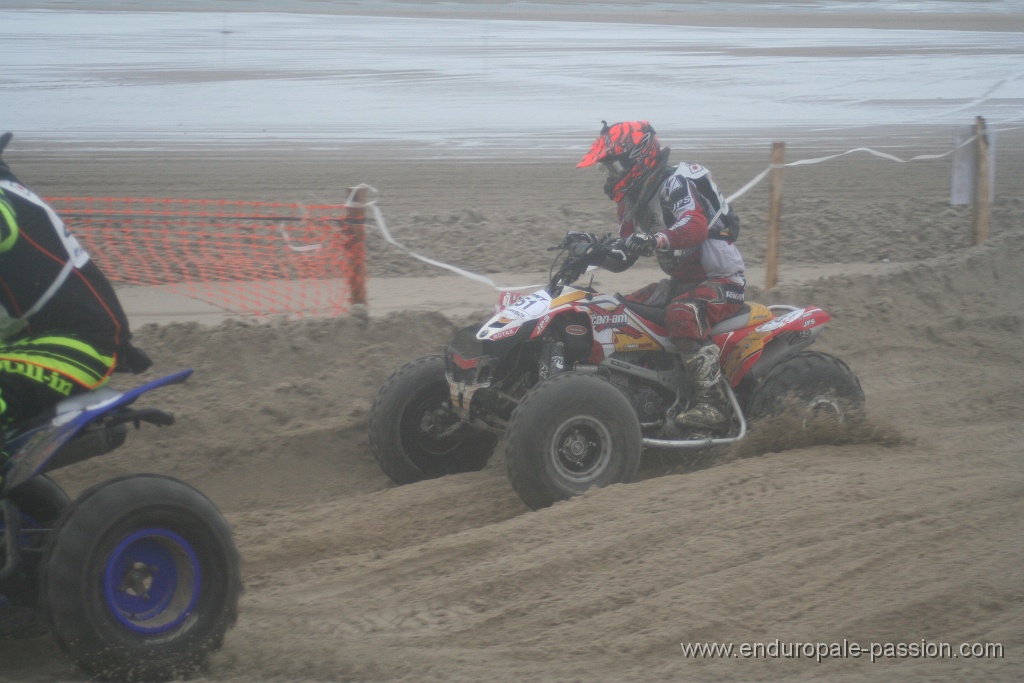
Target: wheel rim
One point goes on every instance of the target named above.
(581, 449)
(424, 420)
(823, 406)
(152, 581)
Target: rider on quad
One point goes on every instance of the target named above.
(62, 328)
(679, 215)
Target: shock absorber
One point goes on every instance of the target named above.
(552, 358)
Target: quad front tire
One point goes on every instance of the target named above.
(413, 432)
(570, 433)
(140, 580)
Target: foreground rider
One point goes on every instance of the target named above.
(62, 329)
(678, 215)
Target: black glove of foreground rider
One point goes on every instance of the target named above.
(641, 243)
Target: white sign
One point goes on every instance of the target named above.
(965, 162)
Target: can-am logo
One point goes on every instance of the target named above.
(603, 319)
(616, 319)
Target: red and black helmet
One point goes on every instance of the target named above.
(629, 151)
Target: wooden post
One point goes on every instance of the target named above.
(771, 258)
(355, 229)
(979, 224)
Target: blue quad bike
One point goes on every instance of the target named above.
(136, 579)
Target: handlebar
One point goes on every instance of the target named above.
(577, 255)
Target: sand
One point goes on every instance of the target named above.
(910, 534)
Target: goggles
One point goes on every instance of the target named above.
(614, 167)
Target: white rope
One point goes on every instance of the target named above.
(378, 215)
(283, 229)
(807, 162)
(884, 155)
(301, 249)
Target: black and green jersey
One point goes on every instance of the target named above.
(48, 284)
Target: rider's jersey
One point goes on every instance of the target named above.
(48, 283)
(697, 228)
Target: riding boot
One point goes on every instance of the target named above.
(710, 410)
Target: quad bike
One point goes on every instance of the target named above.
(581, 382)
(138, 578)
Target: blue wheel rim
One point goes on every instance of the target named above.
(152, 581)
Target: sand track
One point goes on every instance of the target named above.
(910, 533)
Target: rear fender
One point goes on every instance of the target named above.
(32, 451)
(766, 343)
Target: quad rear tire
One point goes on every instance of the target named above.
(409, 421)
(809, 385)
(570, 433)
(140, 580)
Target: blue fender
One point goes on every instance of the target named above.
(31, 450)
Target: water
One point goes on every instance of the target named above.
(167, 78)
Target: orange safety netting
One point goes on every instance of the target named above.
(257, 258)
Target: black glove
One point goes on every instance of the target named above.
(132, 359)
(641, 243)
(617, 250)
(577, 237)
